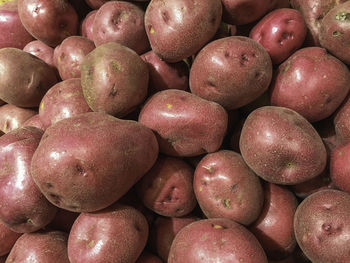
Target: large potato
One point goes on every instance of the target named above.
(117, 234)
(178, 29)
(87, 162)
(281, 146)
(24, 78)
(185, 124)
(127, 82)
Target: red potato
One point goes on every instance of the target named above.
(27, 88)
(126, 85)
(216, 240)
(40, 247)
(274, 228)
(167, 187)
(24, 208)
(13, 117)
(226, 187)
(335, 32)
(281, 32)
(7, 239)
(311, 82)
(117, 234)
(178, 29)
(281, 146)
(63, 100)
(340, 167)
(40, 50)
(163, 232)
(59, 17)
(70, 54)
(34, 121)
(185, 124)
(90, 152)
(121, 22)
(231, 71)
(163, 75)
(86, 25)
(147, 257)
(322, 226)
(341, 121)
(13, 34)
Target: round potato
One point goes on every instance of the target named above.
(340, 168)
(13, 117)
(86, 29)
(40, 50)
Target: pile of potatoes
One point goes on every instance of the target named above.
(174, 131)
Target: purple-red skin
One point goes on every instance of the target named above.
(340, 167)
(281, 32)
(148, 257)
(231, 71)
(77, 168)
(70, 54)
(7, 239)
(13, 117)
(186, 125)
(41, 246)
(167, 187)
(13, 33)
(335, 32)
(274, 228)
(281, 146)
(63, 100)
(86, 25)
(115, 234)
(322, 226)
(163, 232)
(311, 82)
(126, 86)
(59, 18)
(35, 122)
(178, 29)
(216, 240)
(121, 22)
(24, 208)
(341, 121)
(40, 50)
(242, 12)
(226, 187)
(163, 75)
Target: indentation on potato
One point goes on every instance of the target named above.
(137, 227)
(337, 33)
(56, 199)
(80, 170)
(226, 203)
(342, 16)
(48, 185)
(114, 90)
(234, 187)
(165, 16)
(209, 169)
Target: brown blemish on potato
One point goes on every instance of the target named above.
(216, 226)
(90, 244)
(114, 90)
(227, 203)
(116, 66)
(342, 16)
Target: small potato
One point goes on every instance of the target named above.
(281, 32)
(40, 247)
(13, 117)
(23, 207)
(281, 146)
(167, 187)
(341, 121)
(178, 29)
(216, 240)
(322, 226)
(121, 22)
(226, 187)
(87, 162)
(86, 29)
(7, 239)
(70, 54)
(24, 78)
(117, 234)
(340, 167)
(35, 122)
(311, 82)
(48, 21)
(40, 50)
(63, 100)
(127, 82)
(231, 71)
(186, 125)
(276, 238)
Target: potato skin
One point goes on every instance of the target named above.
(25, 89)
(281, 146)
(40, 50)
(178, 29)
(322, 226)
(185, 124)
(127, 84)
(215, 240)
(90, 152)
(13, 117)
(231, 71)
(341, 121)
(86, 29)
(40, 247)
(226, 187)
(7, 239)
(117, 234)
(340, 168)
